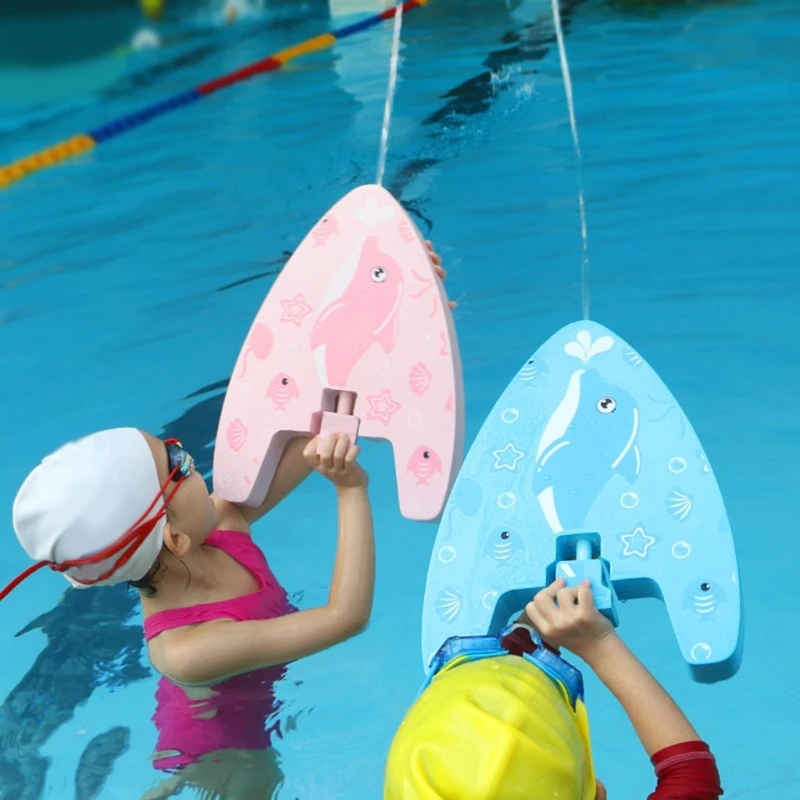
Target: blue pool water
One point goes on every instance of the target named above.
(129, 278)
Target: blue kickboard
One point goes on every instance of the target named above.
(587, 439)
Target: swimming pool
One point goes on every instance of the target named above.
(130, 278)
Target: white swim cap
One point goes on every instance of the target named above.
(84, 498)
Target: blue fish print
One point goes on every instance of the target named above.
(503, 545)
(704, 597)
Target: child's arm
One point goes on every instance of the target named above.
(655, 716)
(215, 650)
(568, 617)
(291, 471)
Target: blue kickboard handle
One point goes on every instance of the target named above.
(587, 442)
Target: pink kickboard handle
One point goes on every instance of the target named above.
(358, 308)
(333, 423)
(341, 421)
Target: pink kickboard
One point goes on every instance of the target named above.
(358, 307)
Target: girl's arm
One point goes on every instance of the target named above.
(212, 651)
(291, 471)
(685, 766)
(655, 716)
(568, 617)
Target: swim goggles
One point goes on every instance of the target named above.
(179, 463)
(459, 649)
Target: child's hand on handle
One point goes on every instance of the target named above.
(337, 461)
(436, 260)
(567, 617)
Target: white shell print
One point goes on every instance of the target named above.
(448, 604)
(679, 505)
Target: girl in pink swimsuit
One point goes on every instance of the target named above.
(220, 739)
(122, 505)
(218, 625)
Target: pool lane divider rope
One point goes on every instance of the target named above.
(84, 142)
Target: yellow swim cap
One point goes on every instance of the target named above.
(492, 729)
(154, 9)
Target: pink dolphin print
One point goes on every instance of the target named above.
(281, 390)
(365, 313)
(423, 464)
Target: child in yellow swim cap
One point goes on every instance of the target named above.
(152, 9)
(502, 717)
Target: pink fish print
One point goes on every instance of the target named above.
(406, 231)
(324, 230)
(448, 404)
(364, 314)
(259, 344)
(281, 390)
(423, 464)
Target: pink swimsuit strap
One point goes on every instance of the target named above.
(267, 602)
